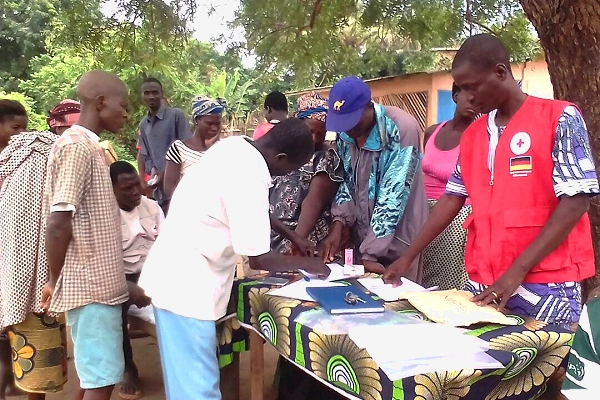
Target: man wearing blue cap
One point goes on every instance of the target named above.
(382, 197)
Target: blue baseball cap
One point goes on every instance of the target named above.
(347, 101)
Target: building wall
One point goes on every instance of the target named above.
(437, 85)
(534, 76)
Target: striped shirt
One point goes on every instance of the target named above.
(574, 170)
(182, 155)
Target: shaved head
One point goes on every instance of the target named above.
(104, 101)
(482, 51)
(99, 83)
(481, 70)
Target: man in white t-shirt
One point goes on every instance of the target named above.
(189, 271)
(140, 222)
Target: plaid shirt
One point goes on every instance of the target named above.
(93, 269)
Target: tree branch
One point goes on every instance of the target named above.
(470, 19)
(315, 12)
(313, 18)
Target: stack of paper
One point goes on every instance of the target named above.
(420, 350)
(455, 308)
(387, 291)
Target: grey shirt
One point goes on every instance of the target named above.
(157, 136)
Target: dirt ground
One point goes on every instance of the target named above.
(146, 357)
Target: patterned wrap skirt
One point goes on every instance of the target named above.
(39, 353)
(444, 258)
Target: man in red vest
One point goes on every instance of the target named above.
(529, 171)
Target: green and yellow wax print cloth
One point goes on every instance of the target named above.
(530, 352)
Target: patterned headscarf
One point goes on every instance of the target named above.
(313, 106)
(202, 105)
(66, 113)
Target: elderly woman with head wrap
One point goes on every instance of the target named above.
(23, 265)
(300, 200)
(207, 117)
(63, 116)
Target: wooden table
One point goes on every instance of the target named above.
(529, 353)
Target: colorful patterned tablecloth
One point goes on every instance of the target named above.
(530, 353)
(232, 337)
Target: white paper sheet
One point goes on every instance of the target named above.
(146, 313)
(421, 350)
(297, 290)
(387, 291)
(395, 370)
(337, 274)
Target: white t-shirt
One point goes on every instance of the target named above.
(219, 210)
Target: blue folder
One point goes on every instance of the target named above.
(333, 300)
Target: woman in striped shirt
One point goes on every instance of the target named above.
(206, 114)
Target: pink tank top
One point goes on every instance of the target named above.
(438, 166)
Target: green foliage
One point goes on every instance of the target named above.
(23, 28)
(319, 41)
(36, 122)
(121, 149)
(54, 77)
(142, 39)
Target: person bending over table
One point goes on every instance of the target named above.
(301, 200)
(140, 223)
(528, 170)
(208, 224)
(382, 197)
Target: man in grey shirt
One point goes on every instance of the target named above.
(158, 130)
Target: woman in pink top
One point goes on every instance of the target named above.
(444, 264)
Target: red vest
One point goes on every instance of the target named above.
(510, 208)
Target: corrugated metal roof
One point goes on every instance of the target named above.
(383, 78)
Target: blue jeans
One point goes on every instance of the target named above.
(188, 355)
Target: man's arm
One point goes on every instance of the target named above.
(59, 232)
(445, 210)
(273, 261)
(303, 245)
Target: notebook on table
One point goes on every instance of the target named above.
(339, 300)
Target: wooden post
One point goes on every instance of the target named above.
(230, 379)
(257, 366)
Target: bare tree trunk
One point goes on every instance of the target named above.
(569, 32)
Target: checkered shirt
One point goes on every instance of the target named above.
(93, 269)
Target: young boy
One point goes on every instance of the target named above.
(83, 237)
(190, 268)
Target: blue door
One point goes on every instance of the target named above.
(446, 106)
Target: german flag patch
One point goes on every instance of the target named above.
(521, 166)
